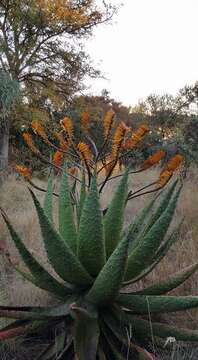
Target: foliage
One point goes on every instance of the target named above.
(93, 257)
(9, 93)
(9, 90)
(35, 36)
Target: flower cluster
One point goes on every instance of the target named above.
(153, 159)
(30, 143)
(172, 165)
(63, 144)
(58, 159)
(84, 151)
(24, 171)
(85, 120)
(136, 137)
(67, 126)
(110, 160)
(108, 123)
(118, 139)
(39, 130)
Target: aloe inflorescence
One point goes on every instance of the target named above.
(95, 258)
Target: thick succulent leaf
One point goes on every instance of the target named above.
(40, 276)
(62, 294)
(91, 246)
(113, 220)
(48, 199)
(142, 304)
(34, 312)
(61, 257)
(137, 224)
(161, 253)
(109, 280)
(142, 255)
(163, 205)
(146, 224)
(123, 336)
(143, 328)
(171, 283)
(67, 227)
(82, 198)
(86, 333)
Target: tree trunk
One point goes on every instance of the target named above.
(4, 145)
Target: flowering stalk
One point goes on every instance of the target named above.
(136, 138)
(67, 126)
(85, 120)
(39, 130)
(108, 124)
(30, 143)
(58, 159)
(117, 142)
(153, 159)
(172, 165)
(86, 156)
(62, 143)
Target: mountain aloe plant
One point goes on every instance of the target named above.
(100, 314)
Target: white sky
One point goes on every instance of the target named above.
(152, 47)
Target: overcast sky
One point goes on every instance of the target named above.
(152, 47)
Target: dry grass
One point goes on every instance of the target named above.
(16, 201)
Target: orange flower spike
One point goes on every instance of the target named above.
(118, 138)
(39, 130)
(58, 158)
(174, 163)
(164, 178)
(84, 151)
(62, 142)
(108, 123)
(153, 159)
(67, 125)
(30, 143)
(24, 171)
(136, 137)
(85, 119)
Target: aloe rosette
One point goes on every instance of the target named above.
(94, 260)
